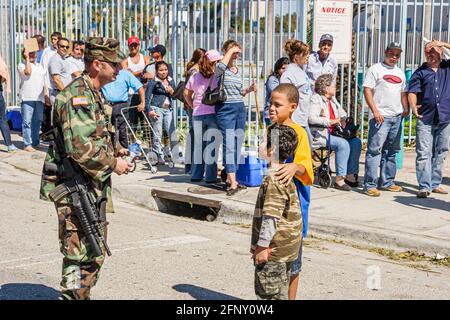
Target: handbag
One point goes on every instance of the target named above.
(216, 96)
(179, 90)
(349, 132)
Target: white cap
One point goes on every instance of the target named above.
(138, 142)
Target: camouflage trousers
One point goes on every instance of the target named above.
(272, 280)
(80, 268)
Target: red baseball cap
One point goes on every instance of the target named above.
(133, 39)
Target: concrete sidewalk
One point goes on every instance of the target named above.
(395, 220)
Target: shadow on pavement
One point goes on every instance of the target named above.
(199, 293)
(172, 178)
(446, 181)
(27, 291)
(424, 204)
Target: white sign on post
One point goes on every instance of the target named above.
(334, 17)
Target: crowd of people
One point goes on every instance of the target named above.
(301, 114)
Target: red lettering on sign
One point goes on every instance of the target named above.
(333, 10)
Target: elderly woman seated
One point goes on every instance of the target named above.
(325, 114)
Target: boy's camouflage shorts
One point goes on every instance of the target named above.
(272, 280)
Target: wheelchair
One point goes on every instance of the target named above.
(321, 164)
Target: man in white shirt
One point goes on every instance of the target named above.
(75, 61)
(48, 53)
(385, 94)
(322, 62)
(33, 94)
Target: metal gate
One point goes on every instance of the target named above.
(261, 26)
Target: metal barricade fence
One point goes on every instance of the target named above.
(261, 26)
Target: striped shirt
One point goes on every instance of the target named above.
(232, 83)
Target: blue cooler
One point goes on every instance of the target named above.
(252, 171)
(14, 115)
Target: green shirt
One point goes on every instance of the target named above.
(282, 203)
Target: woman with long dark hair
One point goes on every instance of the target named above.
(191, 69)
(272, 82)
(204, 119)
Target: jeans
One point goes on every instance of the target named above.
(4, 128)
(347, 155)
(32, 114)
(206, 138)
(189, 151)
(231, 122)
(382, 147)
(432, 143)
(159, 126)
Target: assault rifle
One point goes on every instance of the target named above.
(91, 213)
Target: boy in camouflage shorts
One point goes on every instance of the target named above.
(277, 221)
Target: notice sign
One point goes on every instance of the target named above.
(335, 18)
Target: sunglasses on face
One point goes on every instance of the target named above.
(114, 65)
(65, 47)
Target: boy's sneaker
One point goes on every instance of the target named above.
(394, 188)
(12, 148)
(423, 193)
(372, 192)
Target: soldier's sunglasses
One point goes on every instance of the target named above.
(114, 65)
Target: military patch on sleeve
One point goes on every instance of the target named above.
(80, 101)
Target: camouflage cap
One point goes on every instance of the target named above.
(105, 49)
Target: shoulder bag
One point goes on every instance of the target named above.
(216, 96)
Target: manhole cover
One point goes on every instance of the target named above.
(213, 189)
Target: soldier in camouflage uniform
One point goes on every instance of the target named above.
(277, 221)
(84, 120)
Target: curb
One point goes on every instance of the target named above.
(235, 212)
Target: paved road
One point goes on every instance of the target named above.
(159, 256)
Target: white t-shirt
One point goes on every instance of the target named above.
(75, 65)
(388, 83)
(48, 53)
(32, 86)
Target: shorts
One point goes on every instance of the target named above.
(272, 280)
(297, 264)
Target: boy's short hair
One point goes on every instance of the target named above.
(289, 90)
(284, 138)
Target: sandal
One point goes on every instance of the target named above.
(240, 186)
(231, 192)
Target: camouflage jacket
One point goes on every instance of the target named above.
(280, 202)
(85, 122)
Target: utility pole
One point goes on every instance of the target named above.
(427, 27)
(162, 22)
(270, 33)
(226, 18)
